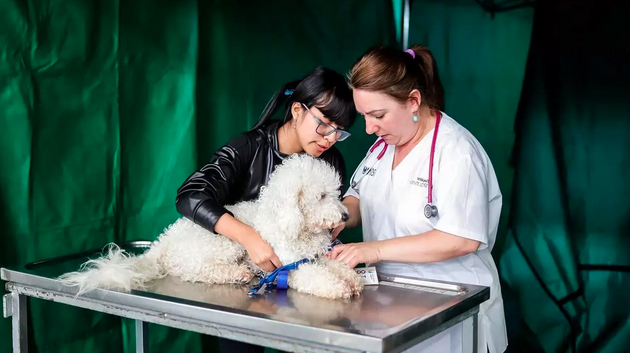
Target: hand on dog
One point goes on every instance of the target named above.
(261, 253)
(356, 253)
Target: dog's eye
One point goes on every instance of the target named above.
(323, 196)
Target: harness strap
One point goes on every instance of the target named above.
(270, 278)
(280, 276)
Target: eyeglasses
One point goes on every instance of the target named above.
(325, 129)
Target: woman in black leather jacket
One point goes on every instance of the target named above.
(319, 109)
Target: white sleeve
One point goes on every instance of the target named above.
(351, 192)
(462, 199)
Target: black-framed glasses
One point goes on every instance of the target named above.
(325, 129)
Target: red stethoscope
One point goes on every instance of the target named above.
(430, 210)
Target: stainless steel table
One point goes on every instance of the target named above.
(390, 317)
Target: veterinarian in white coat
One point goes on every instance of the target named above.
(423, 157)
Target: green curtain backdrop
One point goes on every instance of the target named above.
(482, 60)
(482, 64)
(567, 255)
(109, 105)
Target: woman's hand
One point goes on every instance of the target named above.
(356, 253)
(261, 253)
(337, 230)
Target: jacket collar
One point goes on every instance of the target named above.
(271, 131)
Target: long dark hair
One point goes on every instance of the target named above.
(323, 88)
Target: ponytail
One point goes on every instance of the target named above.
(397, 73)
(428, 66)
(278, 98)
(323, 88)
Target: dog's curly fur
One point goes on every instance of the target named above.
(293, 213)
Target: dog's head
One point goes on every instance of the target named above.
(303, 197)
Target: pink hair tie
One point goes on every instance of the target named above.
(411, 52)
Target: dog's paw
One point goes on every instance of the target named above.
(242, 274)
(324, 281)
(330, 290)
(346, 274)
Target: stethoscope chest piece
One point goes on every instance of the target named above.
(430, 210)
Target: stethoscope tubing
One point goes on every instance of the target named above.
(430, 209)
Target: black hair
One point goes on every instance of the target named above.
(323, 88)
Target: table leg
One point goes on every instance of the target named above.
(14, 306)
(470, 339)
(142, 335)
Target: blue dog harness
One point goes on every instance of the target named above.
(279, 278)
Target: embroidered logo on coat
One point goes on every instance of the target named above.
(420, 182)
(369, 171)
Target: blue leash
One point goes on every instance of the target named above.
(279, 278)
(333, 244)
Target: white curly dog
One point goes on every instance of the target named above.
(294, 213)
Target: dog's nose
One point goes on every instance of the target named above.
(344, 217)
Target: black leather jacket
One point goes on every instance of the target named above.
(235, 173)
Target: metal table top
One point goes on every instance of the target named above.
(387, 317)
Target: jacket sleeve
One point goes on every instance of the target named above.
(203, 195)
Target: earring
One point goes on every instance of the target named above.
(415, 118)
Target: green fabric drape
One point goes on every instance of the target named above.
(567, 255)
(108, 106)
(482, 64)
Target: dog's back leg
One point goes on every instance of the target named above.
(217, 273)
(195, 254)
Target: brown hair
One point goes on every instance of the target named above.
(396, 73)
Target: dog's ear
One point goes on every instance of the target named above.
(281, 209)
(290, 217)
(280, 199)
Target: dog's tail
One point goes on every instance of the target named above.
(117, 270)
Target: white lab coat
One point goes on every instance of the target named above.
(466, 192)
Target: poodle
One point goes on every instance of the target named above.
(294, 214)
